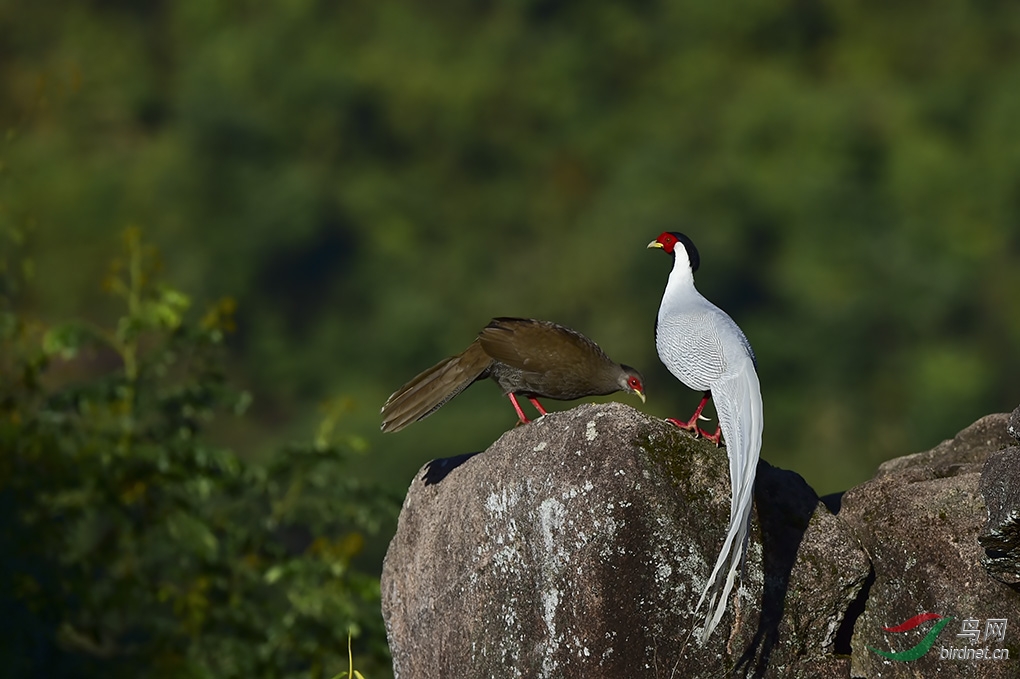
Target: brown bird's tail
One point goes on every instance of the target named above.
(430, 391)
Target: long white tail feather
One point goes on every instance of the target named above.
(738, 403)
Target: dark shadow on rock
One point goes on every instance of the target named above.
(833, 501)
(440, 468)
(785, 504)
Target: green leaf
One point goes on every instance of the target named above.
(193, 534)
(274, 574)
(64, 340)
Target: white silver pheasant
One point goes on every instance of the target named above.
(704, 349)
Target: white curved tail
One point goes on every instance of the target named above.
(737, 398)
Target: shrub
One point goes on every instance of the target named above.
(133, 547)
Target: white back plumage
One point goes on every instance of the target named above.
(703, 348)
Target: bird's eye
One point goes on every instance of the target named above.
(634, 383)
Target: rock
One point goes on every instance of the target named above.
(578, 545)
(1000, 486)
(1000, 538)
(972, 445)
(1013, 425)
(919, 519)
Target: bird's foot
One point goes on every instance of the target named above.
(691, 425)
(686, 426)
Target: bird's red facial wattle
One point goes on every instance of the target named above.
(635, 386)
(666, 241)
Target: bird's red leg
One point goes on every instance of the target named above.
(517, 407)
(691, 425)
(538, 406)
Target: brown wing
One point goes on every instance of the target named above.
(552, 357)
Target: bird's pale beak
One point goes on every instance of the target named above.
(655, 244)
(641, 394)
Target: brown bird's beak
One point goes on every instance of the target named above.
(655, 244)
(641, 394)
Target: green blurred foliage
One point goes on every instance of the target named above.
(374, 180)
(135, 548)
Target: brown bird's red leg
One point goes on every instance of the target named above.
(691, 425)
(538, 406)
(517, 407)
